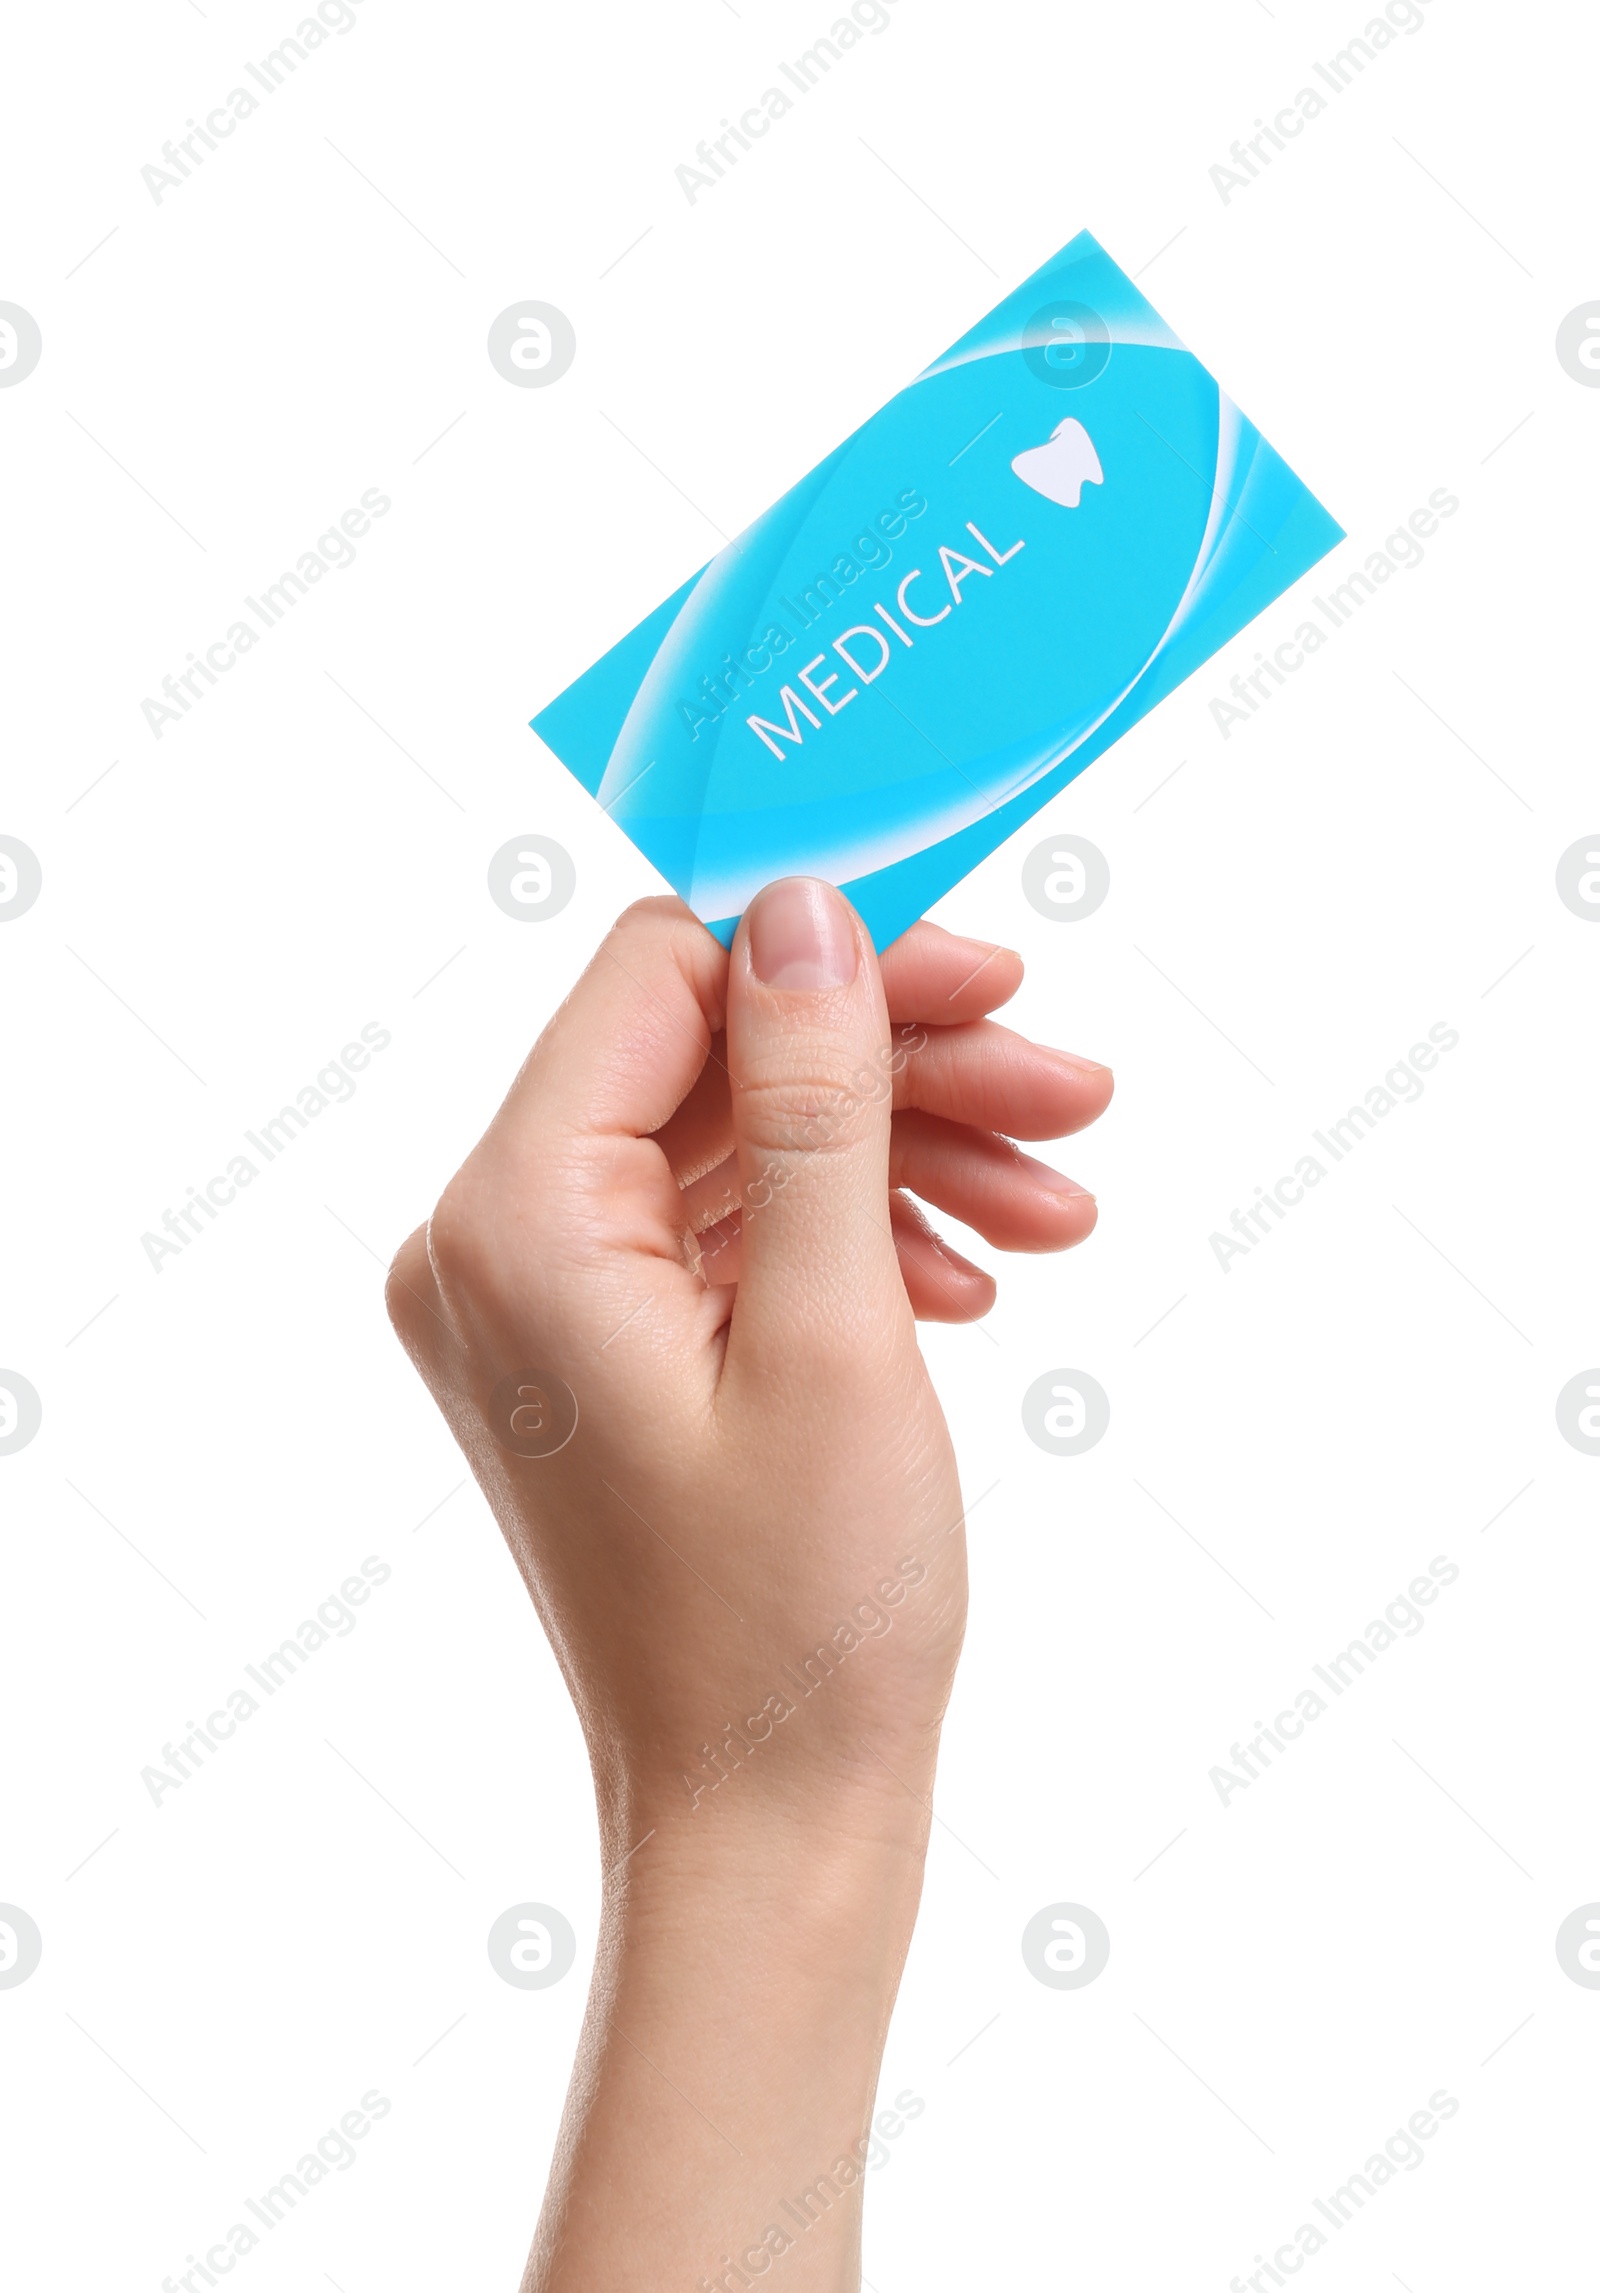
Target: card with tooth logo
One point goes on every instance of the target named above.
(895, 666)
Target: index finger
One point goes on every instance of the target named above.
(625, 1048)
(942, 978)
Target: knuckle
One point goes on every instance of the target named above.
(810, 1109)
(459, 1237)
(658, 906)
(408, 1289)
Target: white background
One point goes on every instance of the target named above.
(305, 852)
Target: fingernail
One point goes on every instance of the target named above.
(801, 935)
(1053, 1181)
(1079, 1066)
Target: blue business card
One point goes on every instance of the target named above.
(957, 610)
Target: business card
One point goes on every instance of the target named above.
(954, 613)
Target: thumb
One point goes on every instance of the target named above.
(812, 1084)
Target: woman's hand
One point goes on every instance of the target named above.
(666, 1306)
(961, 1090)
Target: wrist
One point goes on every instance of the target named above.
(835, 1892)
(743, 1985)
(836, 1873)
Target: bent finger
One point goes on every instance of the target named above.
(941, 1285)
(941, 978)
(624, 1050)
(698, 1134)
(985, 1075)
(931, 978)
(1006, 1196)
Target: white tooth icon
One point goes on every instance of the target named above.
(1063, 465)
